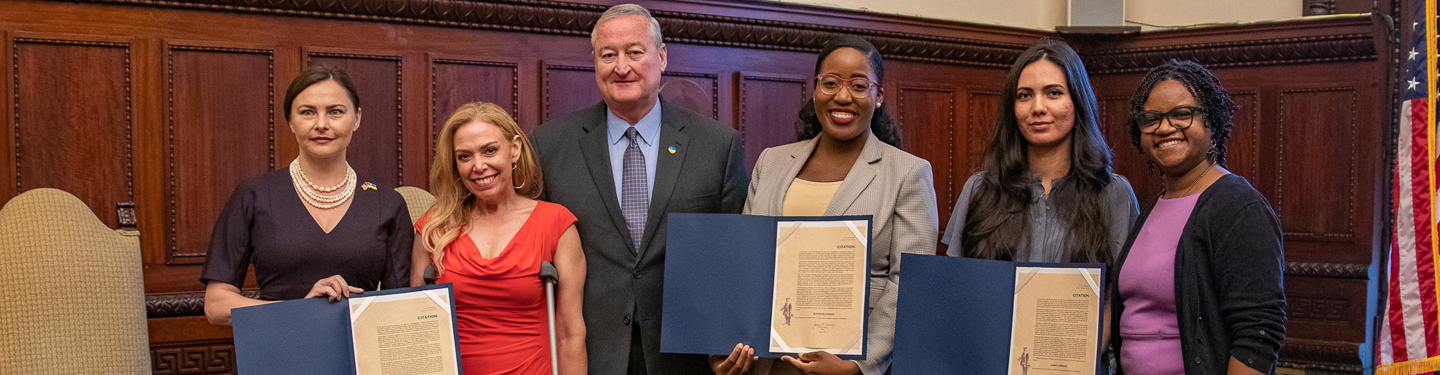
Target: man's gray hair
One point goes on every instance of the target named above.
(626, 10)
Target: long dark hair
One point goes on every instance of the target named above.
(998, 217)
(1214, 101)
(881, 124)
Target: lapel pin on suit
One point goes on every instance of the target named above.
(368, 186)
(672, 150)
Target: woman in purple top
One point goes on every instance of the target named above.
(1198, 284)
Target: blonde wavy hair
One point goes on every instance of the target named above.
(453, 202)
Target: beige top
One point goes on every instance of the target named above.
(808, 198)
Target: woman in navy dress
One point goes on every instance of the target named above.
(314, 229)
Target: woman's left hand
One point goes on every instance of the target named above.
(822, 363)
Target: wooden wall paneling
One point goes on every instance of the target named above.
(979, 130)
(1246, 134)
(767, 108)
(219, 130)
(567, 87)
(377, 149)
(72, 116)
(1316, 195)
(457, 80)
(1125, 159)
(926, 116)
(8, 186)
(696, 91)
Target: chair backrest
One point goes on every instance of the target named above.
(74, 290)
(418, 200)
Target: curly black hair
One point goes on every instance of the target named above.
(1214, 101)
(884, 128)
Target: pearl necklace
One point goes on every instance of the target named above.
(310, 193)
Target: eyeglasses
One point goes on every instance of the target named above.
(830, 84)
(1180, 118)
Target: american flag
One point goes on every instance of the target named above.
(1409, 338)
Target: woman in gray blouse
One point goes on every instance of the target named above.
(1046, 193)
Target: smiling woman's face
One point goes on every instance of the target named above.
(1043, 108)
(323, 118)
(842, 115)
(1175, 151)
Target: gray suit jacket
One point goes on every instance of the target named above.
(894, 186)
(623, 285)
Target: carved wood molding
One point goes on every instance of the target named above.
(1330, 270)
(211, 357)
(551, 17)
(1323, 356)
(181, 304)
(1244, 53)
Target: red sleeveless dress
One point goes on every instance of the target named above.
(500, 302)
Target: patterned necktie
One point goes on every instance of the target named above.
(635, 200)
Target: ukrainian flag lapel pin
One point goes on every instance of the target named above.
(368, 186)
(672, 150)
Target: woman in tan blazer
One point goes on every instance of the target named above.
(848, 163)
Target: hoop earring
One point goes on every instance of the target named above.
(522, 184)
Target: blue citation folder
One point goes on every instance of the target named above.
(719, 282)
(954, 314)
(308, 336)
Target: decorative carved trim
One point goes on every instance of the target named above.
(174, 256)
(545, 69)
(1330, 270)
(514, 90)
(129, 108)
(1280, 168)
(182, 304)
(1335, 310)
(1244, 53)
(399, 99)
(558, 18)
(551, 17)
(714, 88)
(209, 357)
(125, 215)
(1332, 356)
(746, 77)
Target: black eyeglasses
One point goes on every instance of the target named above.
(1180, 118)
(830, 84)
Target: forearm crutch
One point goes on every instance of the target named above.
(550, 277)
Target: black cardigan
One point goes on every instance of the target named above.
(1229, 300)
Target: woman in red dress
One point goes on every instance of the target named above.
(487, 234)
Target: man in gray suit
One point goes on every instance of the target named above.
(621, 166)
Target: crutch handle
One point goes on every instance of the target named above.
(548, 274)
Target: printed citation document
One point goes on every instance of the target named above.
(820, 274)
(1056, 324)
(1018, 318)
(404, 334)
(407, 331)
(782, 285)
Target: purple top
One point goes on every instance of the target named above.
(1147, 281)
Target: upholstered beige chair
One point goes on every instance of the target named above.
(417, 199)
(74, 295)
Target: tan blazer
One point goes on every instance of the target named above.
(896, 188)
